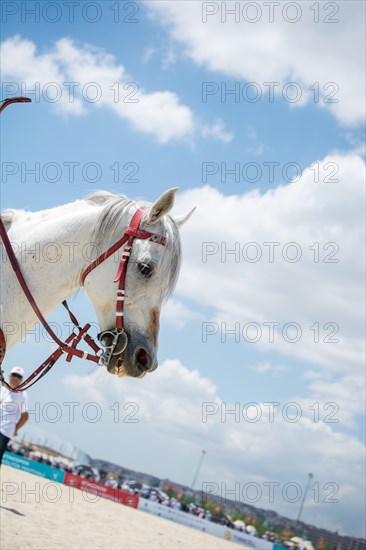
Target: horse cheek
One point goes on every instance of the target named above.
(106, 310)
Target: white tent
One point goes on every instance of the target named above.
(301, 542)
(239, 524)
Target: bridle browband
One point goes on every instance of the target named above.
(131, 232)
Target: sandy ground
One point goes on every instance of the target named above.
(43, 515)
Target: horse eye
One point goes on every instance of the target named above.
(145, 269)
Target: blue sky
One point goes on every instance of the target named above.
(183, 132)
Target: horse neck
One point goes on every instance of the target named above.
(51, 250)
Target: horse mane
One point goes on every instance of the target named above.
(114, 208)
(9, 215)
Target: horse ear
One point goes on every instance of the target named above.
(181, 220)
(162, 206)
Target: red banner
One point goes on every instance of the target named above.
(90, 486)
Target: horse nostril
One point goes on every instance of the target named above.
(143, 360)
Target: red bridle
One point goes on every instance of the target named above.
(131, 232)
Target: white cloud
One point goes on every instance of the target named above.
(100, 82)
(167, 54)
(95, 79)
(267, 368)
(305, 52)
(217, 130)
(340, 401)
(178, 314)
(169, 57)
(257, 150)
(171, 402)
(324, 299)
(20, 63)
(148, 54)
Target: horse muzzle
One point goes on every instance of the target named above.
(119, 360)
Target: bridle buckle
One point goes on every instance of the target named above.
(117, 345)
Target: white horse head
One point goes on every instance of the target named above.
(99, 221)
(151, 275)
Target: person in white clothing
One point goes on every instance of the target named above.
(13, 409)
